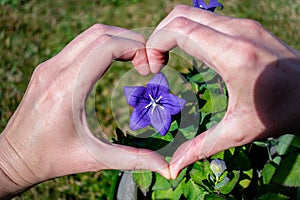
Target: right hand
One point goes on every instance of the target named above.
(260, 71)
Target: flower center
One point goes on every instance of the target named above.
(154, 103)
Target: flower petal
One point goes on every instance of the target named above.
(195, 3)
(157, 90)
(214, 4)
(200, 4)
(172, 104)
(160, 119)
(159, 79)
(134, 95)
(139, 118)
(218, 167)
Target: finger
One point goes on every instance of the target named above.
(87, 39)
(112, 156)
(129, 158)
(233, 130)
(96, 60)
(107, 48)
(88, 153)
(198, 148)
(91, 34)
(202, 42)
(202, 16)
(232, 26)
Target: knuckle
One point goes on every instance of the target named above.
(39, 73)
(252, 27)
(100, 39)
(52, 90)
(247, 51)
(251, 24)
(180, 23)
(99, 28)
(179, 9)
(140, 38)
(103, 37)
(238, 139)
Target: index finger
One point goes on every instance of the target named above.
(198, 15)
(203, 42)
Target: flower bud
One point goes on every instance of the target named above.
(218, 167)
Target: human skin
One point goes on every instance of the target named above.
(41, 140)
(261, 74)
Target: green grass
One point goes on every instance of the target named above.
(33, 31)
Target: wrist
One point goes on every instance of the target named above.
(8, 188)
(15, 174)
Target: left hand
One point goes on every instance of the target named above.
(41, 140)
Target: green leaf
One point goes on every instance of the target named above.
(224, 155)
(143, 180)
(245, 183)
(288, 172)
(214, 197)
(222, 183)
(231, 184)
(277, 160)
(246, 178)
(188, 132)
(267, 173)
(261, 143)
(231, 150)
(158, 137)
(174, 126)
(175, 183)
(178, 192)
(161, 183)
(155, 142)
(163, 194)
(287, 143)
(214, 102)
(217, 117)
(201, 171)
(270, 196)
(195, 87)
(219, 155)
(193, 191)
(239, 161)
(198, 78)
(169, 193)
(290, 140)
(214, 88)
(204, 76)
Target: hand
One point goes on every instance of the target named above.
(48, 135)
(260, 71)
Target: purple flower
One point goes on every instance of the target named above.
(211, 6)
(153, 104)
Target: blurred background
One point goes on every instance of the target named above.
(32, 31)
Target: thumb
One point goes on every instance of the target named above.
(202, 146)
(232, 131)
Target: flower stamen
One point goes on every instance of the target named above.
(154, 103)
(158, 99)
